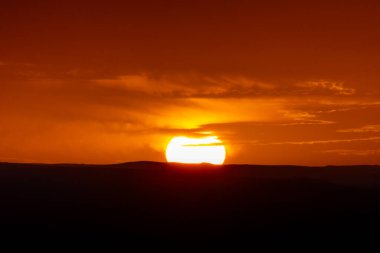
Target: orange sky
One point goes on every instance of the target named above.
(280, 82)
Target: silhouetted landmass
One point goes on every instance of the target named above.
(149, 201)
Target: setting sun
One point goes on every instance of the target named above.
(196, 150)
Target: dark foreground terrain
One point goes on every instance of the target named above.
(157, 203)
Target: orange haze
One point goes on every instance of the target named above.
(279, 82)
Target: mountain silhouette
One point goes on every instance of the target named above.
(160, 202)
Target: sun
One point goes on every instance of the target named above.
(183, 149)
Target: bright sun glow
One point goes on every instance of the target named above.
(196, 150)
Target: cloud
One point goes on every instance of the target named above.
(376, 138)
(106, 116)
(309, 122)
(189, 85)
(337, 88)
(192, 85)
(350, 152)
(298, 115)
(364, 129)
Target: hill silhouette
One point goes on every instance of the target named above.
(154, 201)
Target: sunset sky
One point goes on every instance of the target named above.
(279, 82)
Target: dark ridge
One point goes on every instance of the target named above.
(203, 164)
(152, 202)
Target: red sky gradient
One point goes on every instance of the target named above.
(280, 82)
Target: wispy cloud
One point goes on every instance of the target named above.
(309, 122)
(189, 85)
(220, 86)
(336, 87)
(364, 129)
(350, 152)
(150, 109)
(377, 138)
